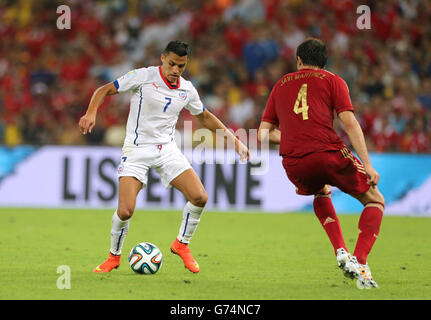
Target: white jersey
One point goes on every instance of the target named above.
(155, 105)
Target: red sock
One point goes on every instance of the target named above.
(369, 226)
(325, 212)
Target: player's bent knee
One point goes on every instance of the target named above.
(376, 196)
(381, 199)
(324, 193)
(124, 213)
(200, 200)
(373, 197)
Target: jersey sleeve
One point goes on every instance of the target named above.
(195, 105)
(340, 96)
(131, 80)
(269, 115)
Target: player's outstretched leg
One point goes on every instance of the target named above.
(369, 227)
(325, 212)
(190, 185)
(128, 189)
(189, 223)
(119, 229)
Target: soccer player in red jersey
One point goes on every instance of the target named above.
(299, 116)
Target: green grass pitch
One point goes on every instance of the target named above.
(247, 256)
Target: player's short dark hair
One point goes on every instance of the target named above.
(180, 48)
(313, 52)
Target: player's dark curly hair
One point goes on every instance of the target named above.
(313, 52)
(180, 48)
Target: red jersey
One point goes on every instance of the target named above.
(302, 105)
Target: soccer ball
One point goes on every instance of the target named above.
(145, 258)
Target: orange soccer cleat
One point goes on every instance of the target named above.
(112, 262)
(183, 251)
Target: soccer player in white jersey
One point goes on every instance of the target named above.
(159, 93)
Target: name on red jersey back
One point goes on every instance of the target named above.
(302, 105)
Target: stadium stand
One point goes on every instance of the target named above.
(239, 49)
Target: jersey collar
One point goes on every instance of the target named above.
(170, 86)
(308, 69)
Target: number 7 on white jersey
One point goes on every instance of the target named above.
(167, 104)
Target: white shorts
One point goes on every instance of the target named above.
(166, 159)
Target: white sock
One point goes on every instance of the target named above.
(191, 218)
(119, 229)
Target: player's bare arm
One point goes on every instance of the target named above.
(269, 132)
(87, 121)
(356, 137)
(210, 121)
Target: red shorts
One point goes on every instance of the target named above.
(337, 168)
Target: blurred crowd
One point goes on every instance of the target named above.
(240, 48)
